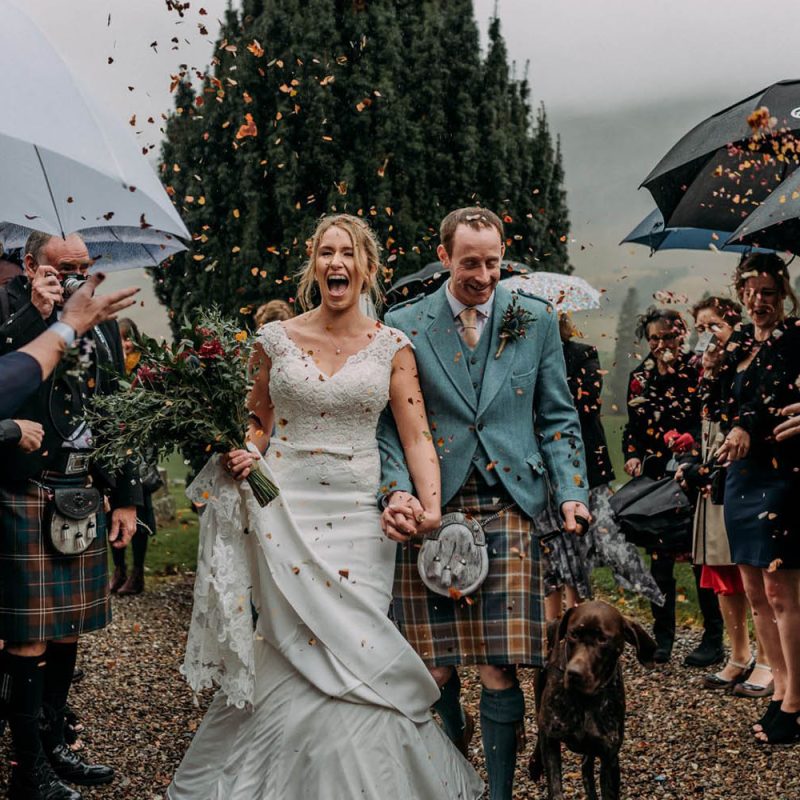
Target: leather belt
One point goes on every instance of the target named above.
(71, 462)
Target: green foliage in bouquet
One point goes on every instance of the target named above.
(189, 394)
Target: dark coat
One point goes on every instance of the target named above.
(658, 404)
(586, 384)
(58, 402)
(770, 382)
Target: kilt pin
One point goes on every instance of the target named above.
(507, 432)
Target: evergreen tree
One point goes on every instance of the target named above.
(625, 350)
(384, 109)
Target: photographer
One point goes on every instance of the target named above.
(44, 609)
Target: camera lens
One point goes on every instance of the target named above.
(71, 284)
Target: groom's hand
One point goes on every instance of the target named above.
(399, 517)
(576, 517)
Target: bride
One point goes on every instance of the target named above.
(325, 700)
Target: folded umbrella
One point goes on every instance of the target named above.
(68, 164)
(725, 167)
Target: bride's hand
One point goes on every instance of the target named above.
(428, 520)
(239, 463)
(399, 518)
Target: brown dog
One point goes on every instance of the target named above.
(581, 696)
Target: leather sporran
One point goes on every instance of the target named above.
(454, 559)
(73, 519)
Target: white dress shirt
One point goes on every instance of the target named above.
(484, 311)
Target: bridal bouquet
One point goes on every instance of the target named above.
(189, 394)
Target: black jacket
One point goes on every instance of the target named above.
(770, 382)
(658, 404)
(58, 402)
(586, 384)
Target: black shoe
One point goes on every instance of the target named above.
(40, 783)
(662, 654)
(704, 655)
(71, 767)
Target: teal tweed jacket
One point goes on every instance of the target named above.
(522, 413)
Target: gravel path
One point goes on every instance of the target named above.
(682, 742)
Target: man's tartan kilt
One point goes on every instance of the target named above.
(502, 623)
(45, 595)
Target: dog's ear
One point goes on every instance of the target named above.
(637, 636)
(564, 624)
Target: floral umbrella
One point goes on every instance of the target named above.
(565, 292)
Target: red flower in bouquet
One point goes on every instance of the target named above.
(211, 349)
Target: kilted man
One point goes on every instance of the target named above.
(53, 567)
(500, 411)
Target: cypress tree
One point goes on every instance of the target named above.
(383, 109)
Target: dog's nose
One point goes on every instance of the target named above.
(574, 675)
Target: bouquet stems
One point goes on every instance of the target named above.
(264, 490)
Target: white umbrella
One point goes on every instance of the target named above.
(565, 292)
(67, 163)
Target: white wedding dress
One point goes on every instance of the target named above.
(325, 700)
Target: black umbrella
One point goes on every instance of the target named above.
(776, 222)
(432, 276)
(724, 168)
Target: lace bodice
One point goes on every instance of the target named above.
(318, 411)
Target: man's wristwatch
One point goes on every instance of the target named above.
(66, 332)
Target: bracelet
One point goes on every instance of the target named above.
(66, 332)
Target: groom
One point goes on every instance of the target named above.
(506, 429)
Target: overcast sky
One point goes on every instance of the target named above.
(621, 79)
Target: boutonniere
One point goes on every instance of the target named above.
(513, 325)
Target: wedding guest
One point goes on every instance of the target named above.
(271, 311)
(664, 422)
(715, 319)
(45, 610)
(121, 582)
(570, 560)
(756, 380)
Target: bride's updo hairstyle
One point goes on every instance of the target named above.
(366, 257)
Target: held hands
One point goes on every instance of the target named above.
(46, 291)
(83, 310)
(735, 447)
(792, 425)
(576, 517)
(404, 517)
(31, 437)
(123, 526)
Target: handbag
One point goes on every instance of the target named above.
(654, 514)
(73, 518)
(453, 560)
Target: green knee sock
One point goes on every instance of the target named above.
(501, 711)
(448, 707)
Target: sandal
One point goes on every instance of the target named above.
(784, 729)
(715, 681)
(773, 707)
(746, 689)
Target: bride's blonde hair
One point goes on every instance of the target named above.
(366, 256)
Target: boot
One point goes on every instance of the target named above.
(134, 584)
(118, 579)
(38, 783)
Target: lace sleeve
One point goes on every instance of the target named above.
(273, 339)
(394, 340)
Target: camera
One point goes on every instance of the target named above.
(71, 282)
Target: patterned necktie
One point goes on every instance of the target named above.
(469, 319)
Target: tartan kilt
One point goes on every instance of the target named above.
(502, 623)
(45, 595)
